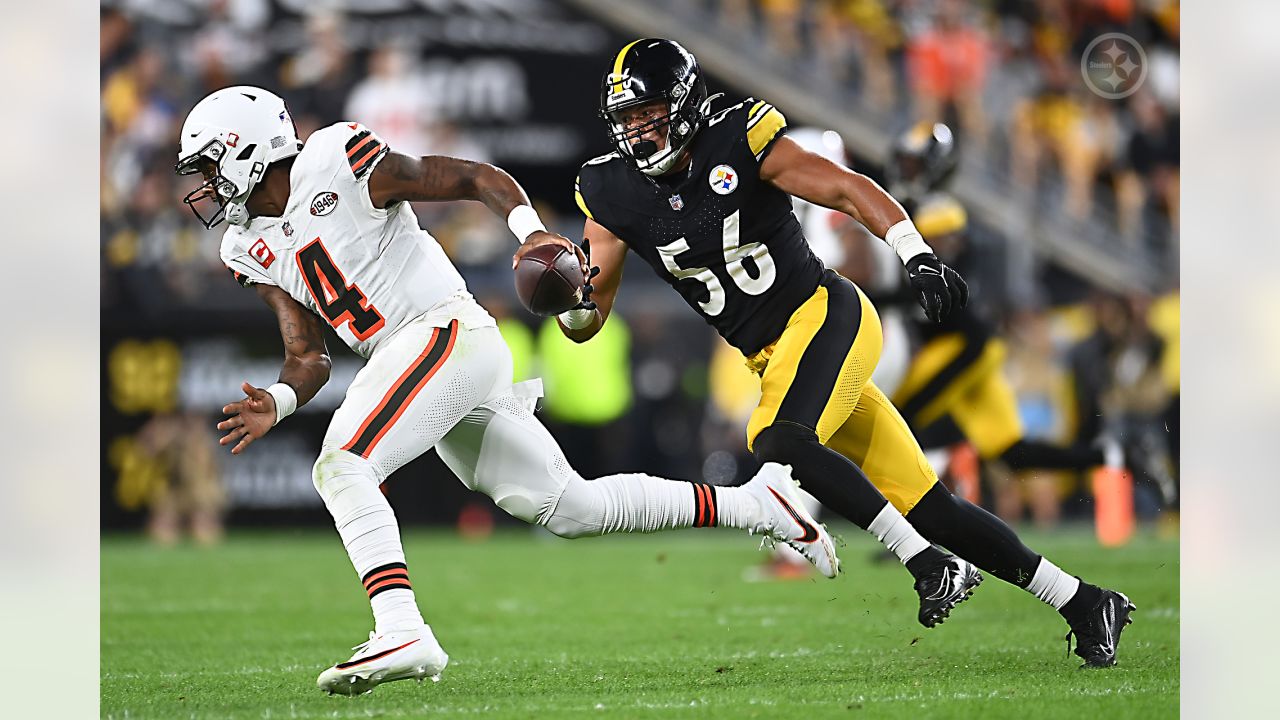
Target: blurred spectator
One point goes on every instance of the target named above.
(317, 80)
(1077, 133)
(1148, 178)
(228, 47)
(588, 391)
(190, 498)
(1041, 386)
(392, 99)
(948, 67)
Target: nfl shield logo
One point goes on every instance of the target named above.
(676, 202)
(288, 229)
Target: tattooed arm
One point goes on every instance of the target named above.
(306, 370)
(435, 177)
(306, 359)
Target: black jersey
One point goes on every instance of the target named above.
(723, 238)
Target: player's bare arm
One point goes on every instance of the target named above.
(436, 178)
(810, 176)
(806, 175)
(608, 253)
(306, 370)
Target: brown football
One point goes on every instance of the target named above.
(549, 280)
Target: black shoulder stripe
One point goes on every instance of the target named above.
(362, 149)
(356, 139)
(240, 277)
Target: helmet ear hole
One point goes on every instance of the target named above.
(247, 151)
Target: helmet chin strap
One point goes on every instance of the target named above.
(237, 211)
(237, 214)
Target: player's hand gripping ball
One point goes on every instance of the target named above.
(549, 279)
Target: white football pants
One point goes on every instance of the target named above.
(450, 388)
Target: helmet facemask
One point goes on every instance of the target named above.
(217, 188)
(680, 121)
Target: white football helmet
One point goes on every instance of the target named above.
(231, 136)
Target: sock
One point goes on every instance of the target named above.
(1084, 600)
(369, 531)
(896, 533)
(391, 597)
(629, 502)
(1052, 585)
(975, 535)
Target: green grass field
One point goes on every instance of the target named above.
(658, 626)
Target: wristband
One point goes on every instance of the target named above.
(906, 240)
(524, 221)
(577, 318)
(286, 400)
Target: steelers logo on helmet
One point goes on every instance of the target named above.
(723, 179)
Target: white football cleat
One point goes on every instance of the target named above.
(390, 656)
(787, 521)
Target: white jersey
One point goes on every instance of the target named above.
(366, 271)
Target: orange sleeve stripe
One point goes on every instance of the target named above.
(398, 572)
(387, 582)
(367, 139)
(369, 155)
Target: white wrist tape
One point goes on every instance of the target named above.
(906, 240)
(286, 400)
(578, 319)
(524, 221)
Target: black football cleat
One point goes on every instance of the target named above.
(945, 586)
(1098, 631)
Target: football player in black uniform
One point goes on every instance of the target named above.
(955, 387)
(701, 194)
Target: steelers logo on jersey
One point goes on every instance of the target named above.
(723, 179)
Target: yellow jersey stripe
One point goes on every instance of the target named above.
(941, 218)
(764, 130)
(582, 204)
(755, 109)
(617, 63)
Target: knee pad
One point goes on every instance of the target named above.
(781, 441)
(576, 512)
(336, 469)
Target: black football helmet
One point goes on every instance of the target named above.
(645, 71)
(923, 159)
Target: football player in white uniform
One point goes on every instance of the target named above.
(324, 233)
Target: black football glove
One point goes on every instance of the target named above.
(940, 288)
(587, 287)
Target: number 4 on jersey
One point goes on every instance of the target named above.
(338, 302)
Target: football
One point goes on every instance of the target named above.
(549, 280)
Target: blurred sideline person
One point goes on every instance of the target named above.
(192, 496)
(324, 234)
(956, 388)
(701, 193)
(588, 393)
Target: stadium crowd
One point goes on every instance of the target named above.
(1004, 72)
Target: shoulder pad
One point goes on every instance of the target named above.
(590, 170)
(764, 125)
(360, 146)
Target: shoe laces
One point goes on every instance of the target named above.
(373, 635)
